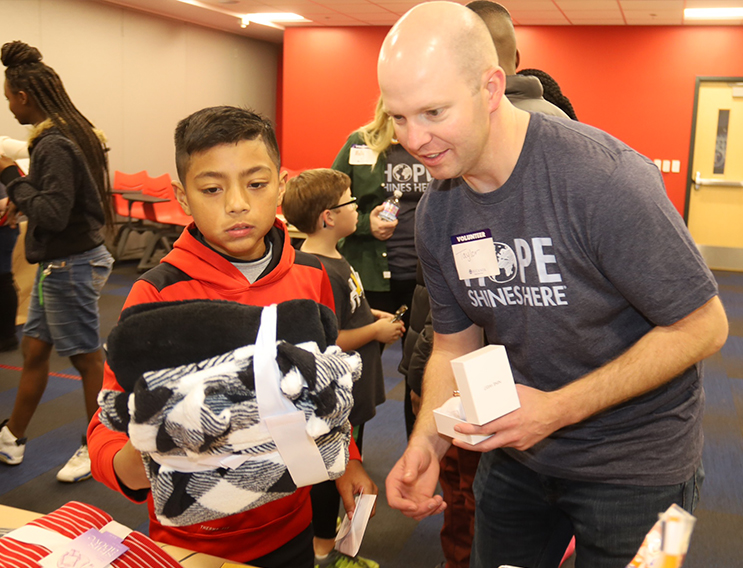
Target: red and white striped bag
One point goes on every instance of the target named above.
(72, 520)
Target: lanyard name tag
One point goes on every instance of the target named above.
(474, 255)
(362, 155)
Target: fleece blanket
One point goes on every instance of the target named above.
(206, 452)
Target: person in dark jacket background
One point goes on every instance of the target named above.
(67, 202)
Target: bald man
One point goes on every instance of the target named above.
(588, 276)
(524, 92)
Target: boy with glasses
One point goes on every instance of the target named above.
(319, 203)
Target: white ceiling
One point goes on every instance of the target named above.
(224, 14)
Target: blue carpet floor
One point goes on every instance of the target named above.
(393, 540)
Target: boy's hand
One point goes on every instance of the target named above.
(379, 314)
(129, 468)
(381, 229)
(388, 331)
(354, 481)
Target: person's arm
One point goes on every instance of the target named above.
(420, 356)
(113, 460)
(412, 481)
(8, 170)
(355, 480)
(48, 195)
(383, 330)
(659, 356)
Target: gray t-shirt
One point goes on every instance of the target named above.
(592, 255)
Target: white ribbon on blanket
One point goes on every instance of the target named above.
(286, 424)
(279, 417)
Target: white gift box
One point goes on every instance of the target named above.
(486, 391)
(449, 415)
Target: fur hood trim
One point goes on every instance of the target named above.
(43, 126)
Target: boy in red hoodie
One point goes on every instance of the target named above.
(230, 183)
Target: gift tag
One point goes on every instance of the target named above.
(351, 532)
(92, 549)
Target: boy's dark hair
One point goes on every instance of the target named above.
(28, 73)
(213, 126)
(310, 193)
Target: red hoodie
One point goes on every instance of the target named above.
(194, 271)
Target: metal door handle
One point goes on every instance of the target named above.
(699, 182)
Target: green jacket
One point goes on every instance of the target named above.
(365, 253)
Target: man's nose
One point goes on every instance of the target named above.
(417, 136)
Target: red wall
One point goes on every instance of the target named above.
(636, 83)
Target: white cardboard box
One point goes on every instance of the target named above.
(449, 415)
(486, 392)
(486, 384)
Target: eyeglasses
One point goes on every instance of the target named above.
(352, 200)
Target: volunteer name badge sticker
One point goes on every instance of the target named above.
(362, 155)
(474, 255)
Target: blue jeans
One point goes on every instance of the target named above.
(64, 302)
(527, 519)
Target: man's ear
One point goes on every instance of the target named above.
(518, 60)
(180, 196)
(495, 84)
(327, 219)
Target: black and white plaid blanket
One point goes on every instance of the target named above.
(197, 425)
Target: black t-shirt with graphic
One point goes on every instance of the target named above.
(409, 176)
(353, 312)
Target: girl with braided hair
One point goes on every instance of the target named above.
(67, 202)
(552, 91)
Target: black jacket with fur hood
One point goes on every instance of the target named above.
(58, 196)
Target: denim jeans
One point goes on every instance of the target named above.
(64, 301)
(526, 519)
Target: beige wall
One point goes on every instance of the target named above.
(135, 75)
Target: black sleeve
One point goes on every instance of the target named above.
(419, 358)
(47, 195)
(8, 174)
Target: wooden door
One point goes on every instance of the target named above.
(715, 194)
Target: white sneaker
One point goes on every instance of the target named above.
(77, 467)
(11, 448)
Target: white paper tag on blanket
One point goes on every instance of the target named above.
(297, 448)
(351, 532)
